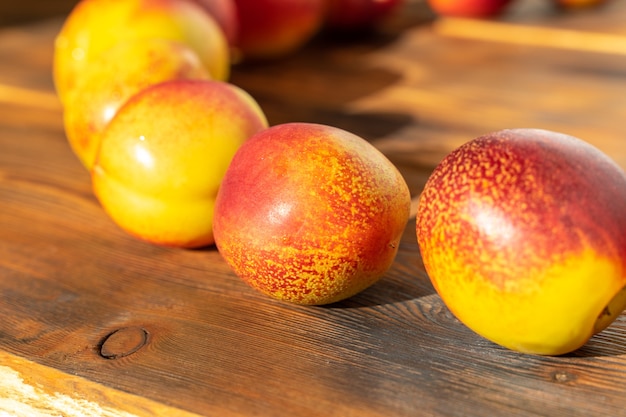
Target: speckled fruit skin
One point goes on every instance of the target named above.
(523, 235)
(310, 214)
(162, 158)
(95, 26)
(468, 8)
(115, 76)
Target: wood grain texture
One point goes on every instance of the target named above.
(13, 13)
(516, 34)
(177, 328)
(26, 55)
(33, 390)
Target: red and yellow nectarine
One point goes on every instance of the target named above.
(523, 235)
(578, 4)
(310, 214)
(468, 8)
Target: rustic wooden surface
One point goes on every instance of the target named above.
(12, 13)
(91, 316)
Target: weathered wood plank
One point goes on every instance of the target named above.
(33, 390)
(177, 328)
(24, 11)
(26, 54)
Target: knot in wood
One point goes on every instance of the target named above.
(563, 377)
(123, 342)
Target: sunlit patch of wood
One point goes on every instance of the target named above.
(535, 36)
(27, 97)
(33, 390)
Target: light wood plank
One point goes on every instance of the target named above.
(33, 390)
(533, 36)
(29, 97)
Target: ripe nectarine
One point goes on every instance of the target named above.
(114, 77)
(274, 28)
(523, 235)
(359, 14)
(163, 155)
(468, 8)
(310, 214)
(95, 26)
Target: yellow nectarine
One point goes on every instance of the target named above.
(162, 158)
(95, 26)
(114, 77)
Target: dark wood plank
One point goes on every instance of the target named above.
(70, 279)
(25, 11)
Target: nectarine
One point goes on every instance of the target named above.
(94, 26)
(114, 77)
(468, 8)
(163, 155)
(359, 14)
(310, 214)
(523, 235)
(274, 28)
(225, 14)
(578, 4)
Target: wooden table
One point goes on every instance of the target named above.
(97, 322)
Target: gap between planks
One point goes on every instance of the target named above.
(497, 31)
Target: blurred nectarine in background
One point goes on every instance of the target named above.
(359, 14)
(113, 78)
(274, 28)
(468, 8)
(578, 4)
(94, 26)
(225, 14)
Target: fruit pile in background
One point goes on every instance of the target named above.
(521, 231)
(109, 50)
(149, 111)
